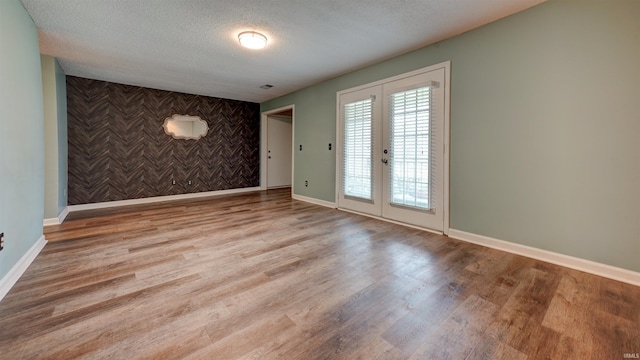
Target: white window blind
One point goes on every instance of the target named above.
(357, 162)
(410, 129)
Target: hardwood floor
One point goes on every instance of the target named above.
(261, 276)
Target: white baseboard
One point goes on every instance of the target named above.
(324, 203)
(109, 204)
(51, 221)
(588, 266)
(7, 282)
(57, 220)
(63, 214)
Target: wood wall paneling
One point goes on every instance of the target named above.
(118, 149)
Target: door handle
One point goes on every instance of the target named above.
(385, 161)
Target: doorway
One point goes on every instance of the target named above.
(277, 149)
(392, 141)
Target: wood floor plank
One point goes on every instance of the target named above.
(468, 322)
(259, 334)
(262, 276)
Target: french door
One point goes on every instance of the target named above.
(391, 142)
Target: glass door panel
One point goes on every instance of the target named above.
(358, 150)
(409, 154)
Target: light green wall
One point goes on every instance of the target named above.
(545, 122)
(54, 91)
(50, 137)
(22, 142)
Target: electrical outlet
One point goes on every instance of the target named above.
(1, 241)
(173, 182)
(190, 182)
(306, 183)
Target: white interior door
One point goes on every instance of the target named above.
(279, 151)
(391, 148)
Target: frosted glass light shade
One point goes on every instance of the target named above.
(252, 40)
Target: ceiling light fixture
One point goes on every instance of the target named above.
(252, 40)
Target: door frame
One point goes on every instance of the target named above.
(447, 127)
(264, 146)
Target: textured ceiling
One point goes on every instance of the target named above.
(191, 45)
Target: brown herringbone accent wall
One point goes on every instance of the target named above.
(118, 149)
